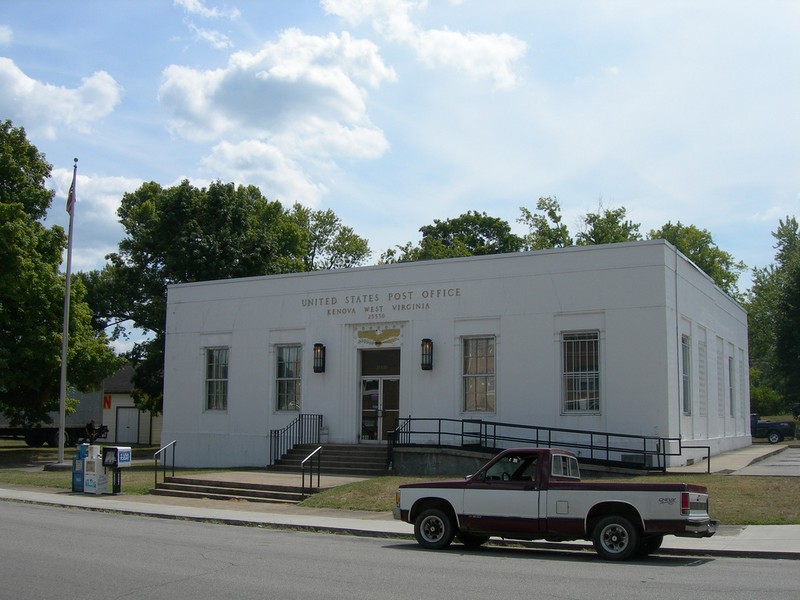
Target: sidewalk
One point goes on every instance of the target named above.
(770, 541)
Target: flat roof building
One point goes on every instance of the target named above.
(623, 338)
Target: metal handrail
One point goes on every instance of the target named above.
(318, 454)
(163, 451)
(603, 448)
(305, 429)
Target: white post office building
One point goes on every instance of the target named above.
(623, 338)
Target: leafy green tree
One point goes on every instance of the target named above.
(471, 234)
(184, 234)
(32, 294)
(787, 332)
(545, 230)
(329, 244)
(607, 226)
(698, 245)
(772, 310)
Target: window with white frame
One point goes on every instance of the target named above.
(288, 377)
(479, 374)
(580, 368)
(686, 373)
(216, 378)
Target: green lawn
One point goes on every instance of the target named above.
(735, 500)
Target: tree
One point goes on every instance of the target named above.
(329, 244)
(185, 234)
(787, 334)
(32, 294)
(471, 234)
(772, 310)
(607, 226)
(545, 230)
(698, 245)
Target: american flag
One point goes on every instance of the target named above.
(71, 195)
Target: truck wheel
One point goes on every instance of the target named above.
(53, 439)
(470, 540)
(434, 529)
(774, 436)
(649, 544)
(615, 538)
(34, 438)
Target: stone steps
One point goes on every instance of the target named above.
(188, 487)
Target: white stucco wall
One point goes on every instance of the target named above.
(641, 297)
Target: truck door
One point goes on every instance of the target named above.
(504, 497)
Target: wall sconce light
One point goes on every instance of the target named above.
(427, 354)
(319, 358)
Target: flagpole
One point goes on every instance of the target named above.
(62, 405)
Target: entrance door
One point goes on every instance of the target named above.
(380, 407)
(380, 394)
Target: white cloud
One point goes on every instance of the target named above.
(98, 198)
(197, 7)
(296, 104)
(274, 88)
(218, 40)
(50, 107)
(267, 167)
(6, 35)
(481, 55)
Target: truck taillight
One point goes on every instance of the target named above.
(397, 497)
(684, 503)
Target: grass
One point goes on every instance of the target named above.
(735, 500)
(22, 466)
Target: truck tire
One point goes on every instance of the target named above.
(434, 529)
(615, 538)
(649, 544)
(774, 436)
(52, 440)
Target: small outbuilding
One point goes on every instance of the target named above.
(622, 338)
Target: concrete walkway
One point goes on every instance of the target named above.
(773, 541)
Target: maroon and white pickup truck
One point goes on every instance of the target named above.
(534, 493)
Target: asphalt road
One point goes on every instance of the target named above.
(74, 554)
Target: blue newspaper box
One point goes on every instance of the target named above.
(77, 467)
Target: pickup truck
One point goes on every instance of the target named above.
(536, 493)
(774, 431)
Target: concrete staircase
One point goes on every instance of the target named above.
(338, 459)
(197, 487)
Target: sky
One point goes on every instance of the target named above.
(393, 113)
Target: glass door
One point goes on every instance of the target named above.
(380, 407)
(380, 393)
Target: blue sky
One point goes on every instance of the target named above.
(394, 113)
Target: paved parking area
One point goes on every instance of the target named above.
(783, 464)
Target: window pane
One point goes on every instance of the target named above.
(580, 354)
(287, 383)
(216, 379)
(686, 374)
(478, 375)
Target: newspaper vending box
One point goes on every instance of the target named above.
(95, 477)
(116, 458)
